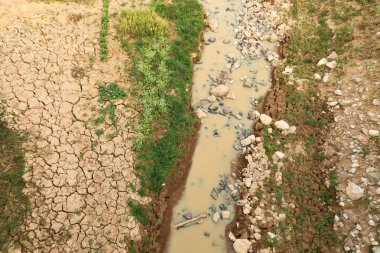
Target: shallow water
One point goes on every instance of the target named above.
(213, 155)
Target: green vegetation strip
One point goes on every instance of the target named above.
(162, 70)
(13, 203)
(104, 30)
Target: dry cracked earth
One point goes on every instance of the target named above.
(77, 181)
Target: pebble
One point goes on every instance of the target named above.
(354, 191)
(216, 217)
(333, 56)
(317, 77)
(282, 125)
(322, 62)
(373, 133)
(265, 119)
(338, 92)
(331, 65)
(326, 78)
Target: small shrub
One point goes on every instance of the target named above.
(142, 23)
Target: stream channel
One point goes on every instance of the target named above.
(210, 187)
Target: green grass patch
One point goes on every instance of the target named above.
(161, 65)
(104, 31)
(142, 23)
(13, 203)
(139, 212)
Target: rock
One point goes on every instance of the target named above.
(211, 99)
(241, 245)
(373, 133)
(376, 249)
(201, 114)
(252, 115)
(257, 236)
(220, 91)
(279, 154)
(271, 235)
(226, 41)
(376, 101)
(378, 35)
(226, 214)
(247, 182)
(248, 141)
(333, 56)
(317, 77)
(322, 61)
(216, 217)
(331, 65)
(338, 92)
(231, 236)
(231, 95)
(211, 39)
(213, 24)
(265, 119)
(354, 191)
(227, 110)
(282, 125)
(373, 175)
(288, 70)
(326, 78)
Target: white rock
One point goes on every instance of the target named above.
(257, 236)
(354, 191)
(242, 245)
(211, 99)
(265, 119)
(246, 210)
(376, 102)
(271, 235)
(373, 133)
(220, 91)
(378, 36)
(248, 141)
(317, 77)
(282, 125)
(288, 70)
(338, 92)
(226, 214)
(279, 154)
(331, 65)
(333, 56)
(231, 236)
(247, 182)
(231, 95)
(216, 217)
(322, 61)
(371, 223)
(326, 78)
(292, 129)
(201, 114)
(213, 24)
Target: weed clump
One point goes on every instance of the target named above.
(142, 23)
(13, 203)
(104, 30)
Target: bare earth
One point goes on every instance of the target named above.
(77, 181)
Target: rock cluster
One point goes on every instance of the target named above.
(257, 23)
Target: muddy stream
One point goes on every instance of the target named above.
(209, 187)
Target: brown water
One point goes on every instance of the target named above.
(213, 155)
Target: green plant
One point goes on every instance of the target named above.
(138, 211)
(13, 203)
(104, 30)
(142, 23)
(110, 92)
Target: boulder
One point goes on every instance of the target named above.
(242, 245)
(220, 91)
(282, 125)
(265, 119)
(354, 191)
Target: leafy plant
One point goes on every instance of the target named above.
(139, 212)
